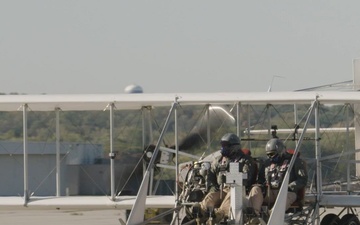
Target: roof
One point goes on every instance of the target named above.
(43, 148)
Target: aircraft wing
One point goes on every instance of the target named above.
(82, 102)
(83, 202)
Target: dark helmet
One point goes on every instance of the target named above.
(231, 138)
(228, 142)
(274, 147)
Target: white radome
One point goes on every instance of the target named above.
(133, 88)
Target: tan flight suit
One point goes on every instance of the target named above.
(270, 178)
(256, 198)
(218, 199)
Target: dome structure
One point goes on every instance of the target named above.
(133, 89)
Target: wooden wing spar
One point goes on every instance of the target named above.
(83, 102)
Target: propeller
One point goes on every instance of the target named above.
(218, 118)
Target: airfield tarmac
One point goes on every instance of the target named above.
(59, 217)
(72, 217)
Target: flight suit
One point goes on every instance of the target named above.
(270, 179)
(218, 198)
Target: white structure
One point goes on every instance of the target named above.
(133, 89)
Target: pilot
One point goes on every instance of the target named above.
(272, 173)
(216, 203)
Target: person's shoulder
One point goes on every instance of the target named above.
(217, 159)
(300, 161)
(249, 158)
(267, 163)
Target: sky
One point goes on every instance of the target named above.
(93, 46)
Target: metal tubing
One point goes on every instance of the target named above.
(112, 154)
(25, 146)
(58, 175)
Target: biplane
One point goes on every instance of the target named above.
(315, 199)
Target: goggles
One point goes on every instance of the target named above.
(225, 148)
(225, 144)
(271, 154)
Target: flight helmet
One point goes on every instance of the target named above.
(274, 147)
(229, 144)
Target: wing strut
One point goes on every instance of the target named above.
(278, 212)
(138, 210)
(25, 145)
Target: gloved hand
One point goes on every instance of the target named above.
(213, 189)
(291, 187)
(221, 178)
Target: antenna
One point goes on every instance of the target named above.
(272, 80)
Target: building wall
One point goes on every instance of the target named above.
(95, 179)
(42, 177)
(41, 166)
